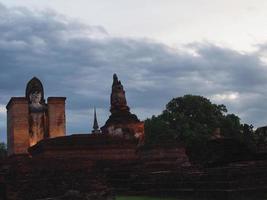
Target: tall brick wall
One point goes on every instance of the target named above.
(56, 116)
(17, 125)
(18, 138)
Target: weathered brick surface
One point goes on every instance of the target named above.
(66, 163)
(36, 178)
(56, 116)
(80, 161)
(17, 125)
(18, 138)
(91, 147)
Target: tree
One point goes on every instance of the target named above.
(230, 125)
(194, 114)
(192, 120)
(157, 130)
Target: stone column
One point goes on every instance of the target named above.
(56, 116)
(17, 126)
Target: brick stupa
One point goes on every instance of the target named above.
(122, 122)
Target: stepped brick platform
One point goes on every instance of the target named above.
(74, 162)
(166, 172)
(90, 146)
(57, 165)
(235, 181)
(96, 162)
(29, 178)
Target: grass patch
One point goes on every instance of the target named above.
(142, 198)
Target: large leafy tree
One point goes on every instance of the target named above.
(191, 119)
(193, 114)
(158, 131)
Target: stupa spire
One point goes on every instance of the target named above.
(118, 101)
(95, 126)
(122, 122)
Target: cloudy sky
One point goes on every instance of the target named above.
(160, 49)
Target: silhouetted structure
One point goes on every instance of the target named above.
(95, 126)
(122, 122)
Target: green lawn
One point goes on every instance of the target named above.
(142, 198)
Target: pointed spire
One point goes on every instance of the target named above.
(95, 126)
(115, 80)
(118, 101)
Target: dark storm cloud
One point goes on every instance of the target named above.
(77, 61)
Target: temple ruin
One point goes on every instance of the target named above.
(30, 119)
(122, 122)
(44, 162)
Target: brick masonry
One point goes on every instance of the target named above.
(17, 125)
(18, 138)
(56, 116)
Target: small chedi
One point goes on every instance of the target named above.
(121, 121)
(95, 126)
(30, 119)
